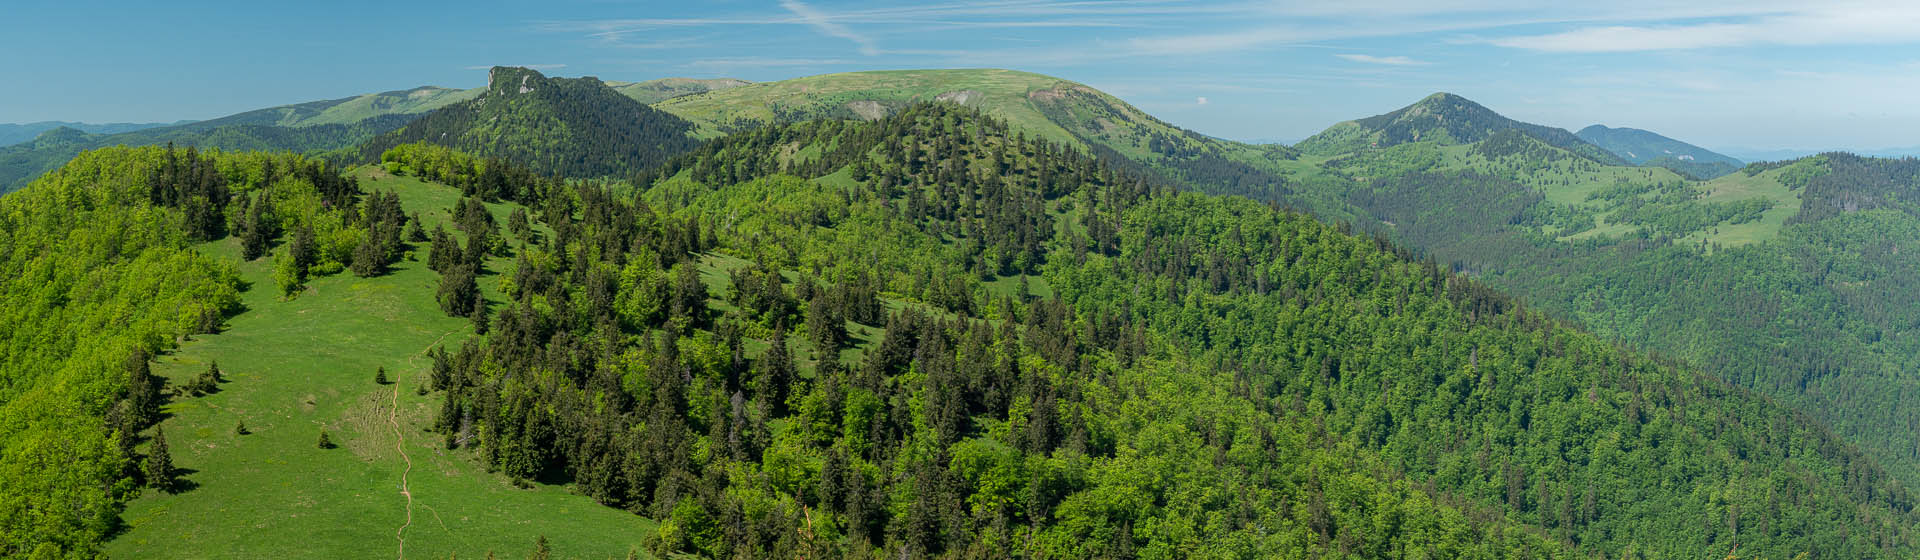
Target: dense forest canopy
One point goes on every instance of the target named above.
(576, 127)
(973, 419)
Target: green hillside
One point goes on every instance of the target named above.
(1641, 147)
(1040, 106)
(11, 134)
(1444, 118)
(655, 91)
(575, 127)
(311, 127)
(1673, 265)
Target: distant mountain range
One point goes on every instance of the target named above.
(1641, 147)
(310, 127)
(1446, 118)
(1764, 154)
(11, 134)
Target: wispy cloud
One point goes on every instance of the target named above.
(729, 63)
(1848, 23)
(825, 24)
(527, 66)
(1387, 60)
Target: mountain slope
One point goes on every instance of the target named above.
(11, 134)
(1673, 265)
(575, 127)
(346, 110)
(655, 91)
(1491, 405)
(1641, 147)
(1445, 118)
(315, 126)
(23, 162)
(1040, 106)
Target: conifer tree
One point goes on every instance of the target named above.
(369, 258)
(143, 396)
(160, 463)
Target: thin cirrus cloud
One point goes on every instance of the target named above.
(1818, 24)
(1385, 60)
(825, 24)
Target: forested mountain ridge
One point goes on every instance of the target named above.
(311, 127)
(1055, 109)
(1692, 269)
(11, 134)
(1641, 147)
(1444, 118)
(575, 127)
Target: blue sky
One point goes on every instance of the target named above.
(1756, 74)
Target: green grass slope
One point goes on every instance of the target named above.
(655, 91)
(296, 367)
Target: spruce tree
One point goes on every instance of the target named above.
(459, 292)
(415, 234)
(380, 377)
(369, 258)
(325, 442)
(143, 396)
(160, 463)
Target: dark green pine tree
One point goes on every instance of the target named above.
(415, 234)
(258, 228)
(160, 474)
(775, 377)
(459, 292)
(826, 327)
(380, 377)
(541, 550)
(325, 441)
(304, 250)
(143, 396)
(369, 257)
